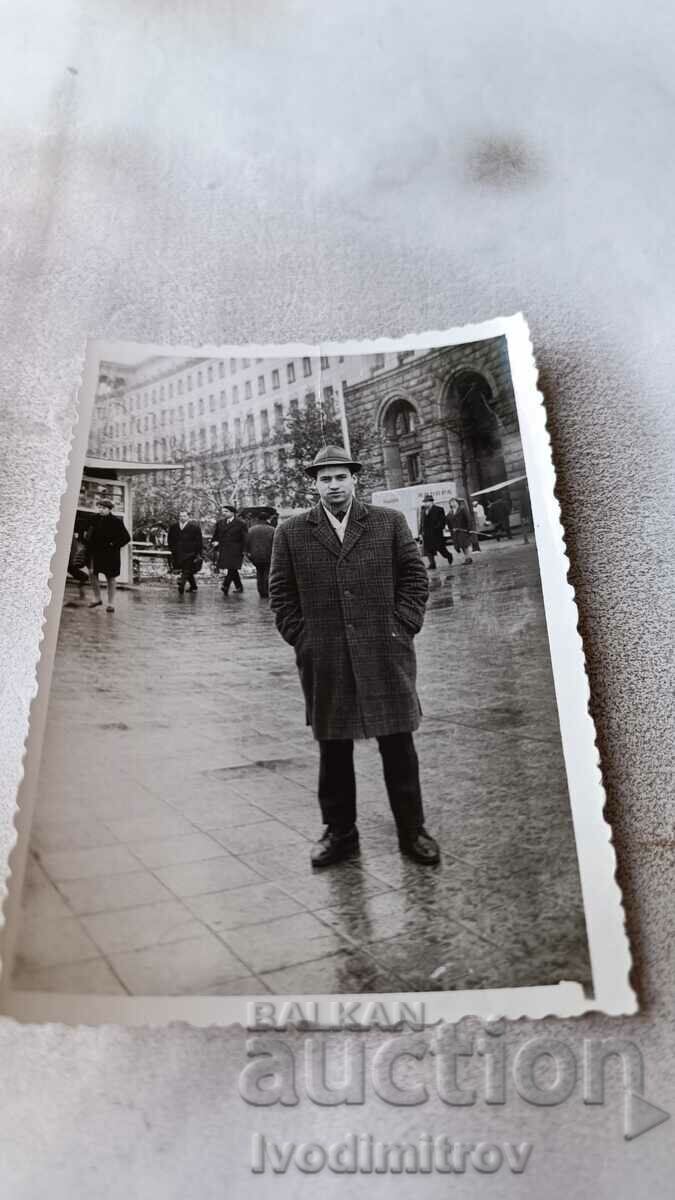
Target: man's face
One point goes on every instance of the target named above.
(183, 517)
(335, 486)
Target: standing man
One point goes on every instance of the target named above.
(348, 591)
(229, 538)
(432, 527)
(499, 513)
(105, 539)
(186, 544)
(259, 549)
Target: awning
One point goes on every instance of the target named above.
(497, 487)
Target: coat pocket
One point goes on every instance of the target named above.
(400, 631)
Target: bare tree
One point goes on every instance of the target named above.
(301, 435)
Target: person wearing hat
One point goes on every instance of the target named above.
(348, 590)
(432, 526)
(229, 540)
(105, 539)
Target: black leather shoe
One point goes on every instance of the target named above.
(333, 847)
(422, 848)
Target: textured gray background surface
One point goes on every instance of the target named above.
(274, 170)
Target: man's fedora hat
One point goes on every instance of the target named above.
(428, 497)
(332, 456)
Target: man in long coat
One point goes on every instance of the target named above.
(432, 531)
(186, 544)
(229, 539)
(348, 590)
(105, 539)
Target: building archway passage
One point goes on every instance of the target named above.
(401, 446)
(478, 430)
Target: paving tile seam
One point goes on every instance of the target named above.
(295, 961)
(390, 976)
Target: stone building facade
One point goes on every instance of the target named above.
(447, 414)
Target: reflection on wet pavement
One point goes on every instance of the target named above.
(177, 804)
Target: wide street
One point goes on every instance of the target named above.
(177, 804)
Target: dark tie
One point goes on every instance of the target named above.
(340, 516)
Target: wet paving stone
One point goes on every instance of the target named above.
(180, 864)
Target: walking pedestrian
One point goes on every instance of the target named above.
(106, 537)
(259, 549)
(186, 544)
(432, 526)
(348, 591)
(460, 527)
(499, 514)
(229, 537)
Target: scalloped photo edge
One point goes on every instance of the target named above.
(603, 909)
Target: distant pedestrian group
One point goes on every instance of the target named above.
(231, 541)
(466, 526)
(433, 523)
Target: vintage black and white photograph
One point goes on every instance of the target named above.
(305, 730)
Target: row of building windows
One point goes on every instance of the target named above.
(162, 449)
(152, 421)
(173, 389)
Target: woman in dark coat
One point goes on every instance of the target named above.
(105, 539)
(229, 539)
(460, 527)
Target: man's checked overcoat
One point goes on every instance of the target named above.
(351, 611)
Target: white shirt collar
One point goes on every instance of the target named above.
(340, 527)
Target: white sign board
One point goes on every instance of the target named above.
(408, 500)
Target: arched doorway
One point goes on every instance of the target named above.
(478, 431)
(399, 430)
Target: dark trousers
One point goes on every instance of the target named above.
(444, 553)
(187, 576)
(232, 576)
(337, 782)
(262, 575)
(503, 527)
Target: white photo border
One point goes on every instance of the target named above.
(603, 909)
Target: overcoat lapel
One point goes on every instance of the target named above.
(355, 527)
(322, 531)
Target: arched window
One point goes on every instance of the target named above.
(400, 444)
